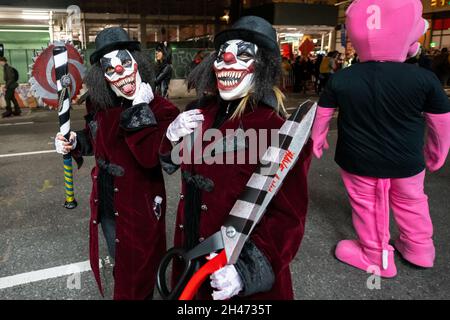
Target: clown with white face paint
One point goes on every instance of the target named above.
(125, 125)
(234, 69)
(121, 72)
(237, 89)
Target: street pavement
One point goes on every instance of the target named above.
(37, 234)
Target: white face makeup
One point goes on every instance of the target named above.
(121, 72)
(234, 69)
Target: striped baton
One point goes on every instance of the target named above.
(63, 83)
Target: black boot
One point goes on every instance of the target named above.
(6, 114)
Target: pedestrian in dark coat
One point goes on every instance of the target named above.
(11, 78)
(163, 70)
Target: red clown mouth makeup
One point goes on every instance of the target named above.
(229, 79)
(127, 85)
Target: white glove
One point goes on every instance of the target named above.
(227, 283)
(62, 145)
(144, 95)
(184, 124)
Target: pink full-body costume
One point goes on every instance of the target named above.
(385, 31)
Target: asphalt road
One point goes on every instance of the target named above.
(37, 233)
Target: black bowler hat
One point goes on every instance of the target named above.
(111, 39)
(252, 29)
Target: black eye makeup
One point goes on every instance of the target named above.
(127, 63)
(110, 71)
(123, 55)
(106, 66)
(221, 52)
(125, 59)
(246, 51)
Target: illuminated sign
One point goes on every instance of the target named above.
(439, 3)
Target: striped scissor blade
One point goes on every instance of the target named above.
(267, 180)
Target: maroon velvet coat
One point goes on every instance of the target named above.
(279, 233)
(140, 236)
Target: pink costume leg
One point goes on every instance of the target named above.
(370, 204)
(411, 212)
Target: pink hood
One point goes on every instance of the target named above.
(386, 30)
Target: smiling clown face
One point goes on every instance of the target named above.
(234, 69)
(121, 72)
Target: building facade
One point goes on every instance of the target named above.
(437, 12)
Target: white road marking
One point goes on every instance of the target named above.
(9, 155)
(44, 274)
(15, 124)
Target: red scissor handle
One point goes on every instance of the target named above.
(200, 276)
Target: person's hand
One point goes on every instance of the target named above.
(437, 143)
(226, 282)
(144, 95)
(318, 146)
(184, 124)
(62, 145)
(320, 129)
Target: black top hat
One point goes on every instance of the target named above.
(252, 29)
(111, 39)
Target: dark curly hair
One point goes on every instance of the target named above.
(100, 93)
(267, 75)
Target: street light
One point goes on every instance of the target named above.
(342, 2)
(226, 16)
(34, 15)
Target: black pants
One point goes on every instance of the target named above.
(108, 224)
(9, 96)
(106, 209)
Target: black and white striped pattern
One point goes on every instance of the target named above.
(60, 58)
(63, 84)
(267, 180)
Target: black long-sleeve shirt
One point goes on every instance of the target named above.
(381, 126)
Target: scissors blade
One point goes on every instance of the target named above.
(267, 180)
(211, 244)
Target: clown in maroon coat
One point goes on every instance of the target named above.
(237, 89)
(125, 126)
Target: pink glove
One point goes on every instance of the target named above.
(438, 140)
(320, 130)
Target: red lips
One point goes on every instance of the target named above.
(228, 79)
(126, 85)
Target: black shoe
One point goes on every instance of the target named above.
(6, 114)
(17, 113)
